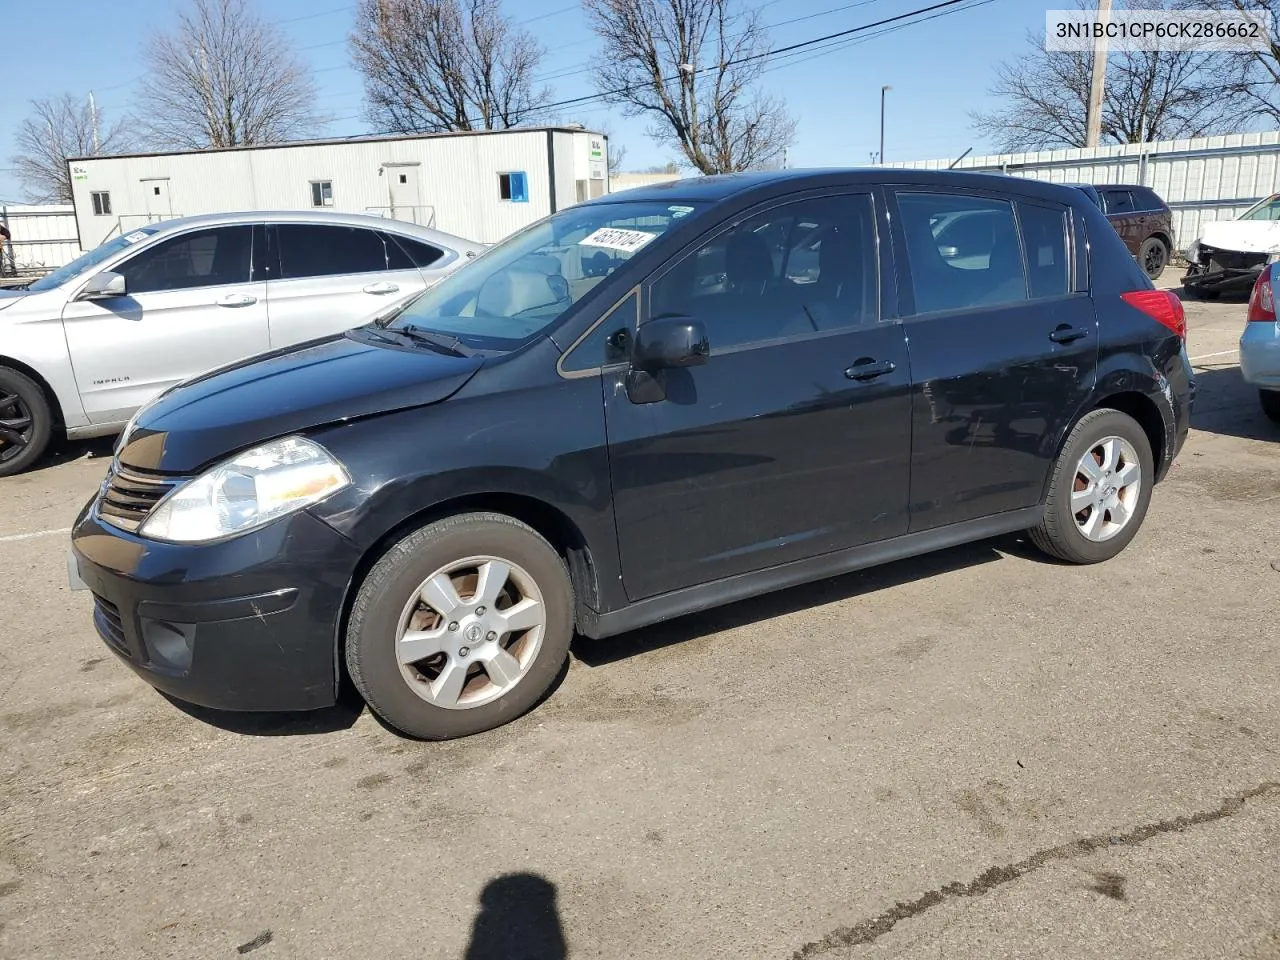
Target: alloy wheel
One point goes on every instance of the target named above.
(16, 425)
(1107, 485)
(1155, 260)
(470, 632)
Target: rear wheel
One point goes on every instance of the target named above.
(1154, 257)
(1099, 491)
(1270, 400)
(462, 626)
(26, 422)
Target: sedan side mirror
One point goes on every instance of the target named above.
(103, 286)
(667, 342)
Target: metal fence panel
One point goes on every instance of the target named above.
(42, 238)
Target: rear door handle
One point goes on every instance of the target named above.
(868, 369)
(381, 287)
(1065, 334)
(237, 300)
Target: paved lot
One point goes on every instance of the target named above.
(976, 754)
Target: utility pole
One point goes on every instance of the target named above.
(93, 114)
(883, 90)
(1098, 83)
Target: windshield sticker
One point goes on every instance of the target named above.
(679, 211)
(136, 236)
(612, 238)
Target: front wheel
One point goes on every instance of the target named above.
(1270, 400)
(26, 422)
(1155, 256)
(1099, 491)
(462, 626)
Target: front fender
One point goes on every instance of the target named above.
(31, 336)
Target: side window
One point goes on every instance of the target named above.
(420, 253)
(322, 193)
(1147, 199)
(608, 342)
(101, 203)
(1044, 237)
(963, 251)
(313, 250)
(202, 258)
(802, 267)
(513, 186)
(1118, 201)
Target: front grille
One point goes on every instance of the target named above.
(128, 496)
(106, 617)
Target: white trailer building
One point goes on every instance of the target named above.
(481, 186)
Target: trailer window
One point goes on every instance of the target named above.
(101, 203)
(322, 193)
(513, 187)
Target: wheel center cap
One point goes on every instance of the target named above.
(474, 632)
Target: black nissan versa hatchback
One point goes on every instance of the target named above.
(639, 407)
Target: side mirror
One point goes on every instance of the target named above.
(103, 286)
(667, 342)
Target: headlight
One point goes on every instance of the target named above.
(250, 489)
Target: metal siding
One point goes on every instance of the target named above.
(1202, 179)
(458, 180)
(43, 236)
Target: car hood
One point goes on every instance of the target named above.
(324, 381)
(1243, 236)
(9, 297)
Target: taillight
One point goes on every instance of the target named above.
(1262, 303)
(1161, 305)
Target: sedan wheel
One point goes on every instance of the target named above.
(26, 422)
(462, 626)
(1106, 489)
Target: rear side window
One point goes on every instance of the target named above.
(320, 250)
(1117, 201)
(1044, 238)
(422, 254)
(963, 251)
(202, 258)
(1145, 198)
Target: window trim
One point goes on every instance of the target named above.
(100, 208)
(601, 368)
(161, 241)
(321, 184)
(733, 222)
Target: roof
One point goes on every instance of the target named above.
(337, 141)
(334, 217)
(712, 189)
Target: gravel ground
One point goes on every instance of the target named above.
(974, 754)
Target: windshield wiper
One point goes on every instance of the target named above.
(440, 341)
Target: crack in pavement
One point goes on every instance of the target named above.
(870, 930)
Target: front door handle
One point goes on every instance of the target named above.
(237, 300)
(1065, 334)
(381, 287)
(866, 369)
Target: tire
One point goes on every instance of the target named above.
(1270, 400)
(1154, 257)
(1061, 533)
(24, 415)
(417, 698)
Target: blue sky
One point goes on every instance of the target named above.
(939, 70)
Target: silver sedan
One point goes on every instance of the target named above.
(84, 347)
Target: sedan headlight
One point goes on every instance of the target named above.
(247, 491)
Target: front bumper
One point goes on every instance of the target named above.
(250, 623)
(1260, 355)
(1219, 271)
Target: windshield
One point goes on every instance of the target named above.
(528, 281)
(87, 261)
(1268, 209)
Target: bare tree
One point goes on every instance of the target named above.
(692, 66)
(1252, 77)
(432, 66)
(224, 78)
(58, 128)
(1151, 95)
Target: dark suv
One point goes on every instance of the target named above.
(1143, 221)
(639, 407)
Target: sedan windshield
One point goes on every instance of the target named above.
(87, 261)
(1268, 209)
(526, 283)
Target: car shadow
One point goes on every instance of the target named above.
(67, 451)
(1228, 406)
(341, 716)
(596, 653)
